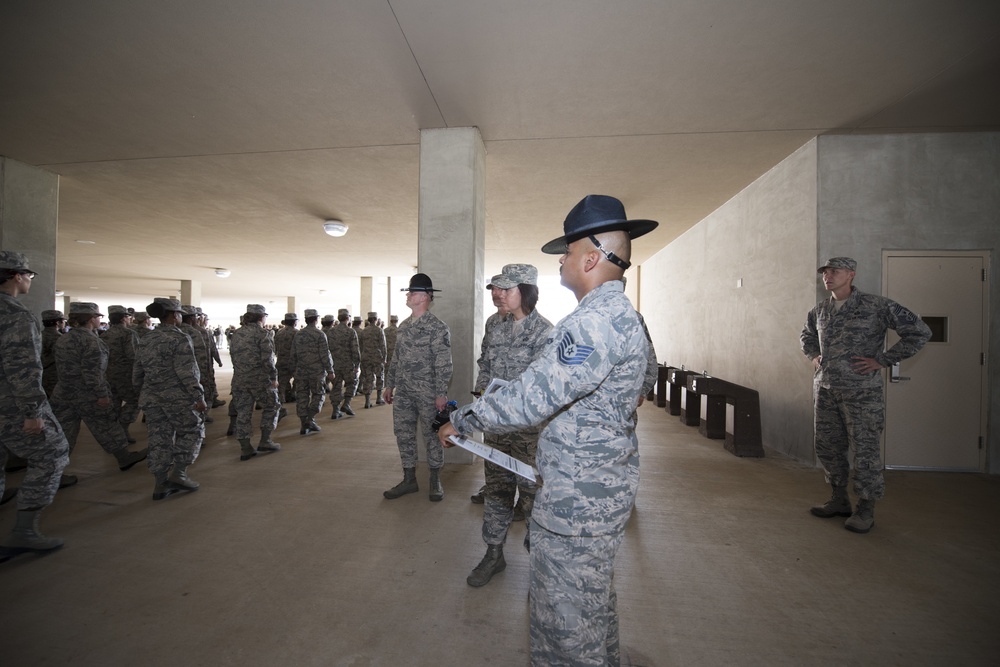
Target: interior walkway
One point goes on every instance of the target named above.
(295, 558)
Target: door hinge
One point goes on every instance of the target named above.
(984, 275)
(982, 358)
(980, 442)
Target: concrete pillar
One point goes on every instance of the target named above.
(367, 283)
(29, 217)
(191, 292)
(451, 246)
(290, 306)
(66, 300)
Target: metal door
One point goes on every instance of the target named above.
(935, 401)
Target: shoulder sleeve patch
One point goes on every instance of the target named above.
(572, 353)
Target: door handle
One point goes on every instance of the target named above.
(894, 375)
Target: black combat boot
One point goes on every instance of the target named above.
(408, 485)
(266, 444)
(839, 504)
(491, 563)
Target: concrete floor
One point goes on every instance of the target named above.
(295, 558)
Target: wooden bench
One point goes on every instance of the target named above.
(745, 440)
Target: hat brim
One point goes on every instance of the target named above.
(504, 283)
(419, 289)
(635, 229)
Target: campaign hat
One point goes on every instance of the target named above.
(420, 282)
(596, 214)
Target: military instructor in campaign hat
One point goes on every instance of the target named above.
(584, 389)
(28, 428)
(417, 386)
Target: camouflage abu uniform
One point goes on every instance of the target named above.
(586, 383)
(584, 388)
(254, 373)
(122, 342)
(373, 350)
(50, 376)
(82, 362)
(22, 397)
(311, 355)
(850, 410)
(346, 360)
(390, 337)
(169, 382)
(283, 357)
(419, 372)
(510, 353)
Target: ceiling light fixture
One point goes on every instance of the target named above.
(334, 228)
(86, 241)
(223, 273)
(59, 292)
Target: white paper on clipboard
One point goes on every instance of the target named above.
(493, 455)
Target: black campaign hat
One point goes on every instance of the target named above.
(420, 282)
(596, 214)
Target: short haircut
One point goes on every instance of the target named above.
(312, 320)
(250, 318)
(117, 318)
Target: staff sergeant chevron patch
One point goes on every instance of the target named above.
(571, 353)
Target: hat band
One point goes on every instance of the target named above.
(610, 256)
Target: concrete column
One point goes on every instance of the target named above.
(66, 300)
(451, 246)
(290, 306)
(367, 283)
(29, 217)
(191, 292)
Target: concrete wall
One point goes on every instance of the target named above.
(29, 214)
(698, 317)
(914, 192)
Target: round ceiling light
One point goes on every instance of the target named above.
(223, 273)
(334, 228)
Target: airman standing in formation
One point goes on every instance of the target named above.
(28, 427)
(53, 322)
(255, 380)
(313, 368)
(211, 389)
(390, 339)
(283, 354)
(141, 325)
(83, 393)
(372, 361)
(171, 395)
(346, 361)
(122, 342)
(417, 386)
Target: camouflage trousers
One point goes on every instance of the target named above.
(345, 383)
(243, 402)
(410, 412)
(501, 486)
(46, 455)
(310, 394)
(124, 400)
(210, 387)
(846, 420)
(175, 436)
(573, 606)
(372, 376)
(102, 422)
(285, 388)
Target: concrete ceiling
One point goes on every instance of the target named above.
(196, 134)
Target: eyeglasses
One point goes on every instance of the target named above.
(30, 274)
